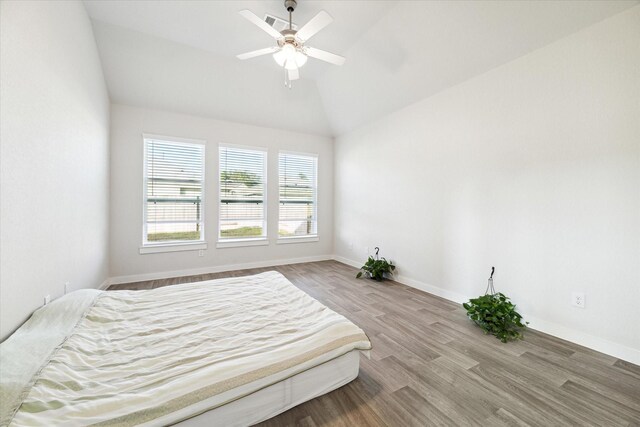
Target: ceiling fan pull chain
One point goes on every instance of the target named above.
(287, 81)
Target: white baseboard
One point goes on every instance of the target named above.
(348, 261)
(214, 269)
(590, 341)
(443, 293)
(578, 337)
(104, 285)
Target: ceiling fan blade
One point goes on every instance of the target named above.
(323, 55)
(318, 22)
(258, 52)
(260, 23)
(293, 74)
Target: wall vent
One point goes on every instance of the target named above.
(278, 23)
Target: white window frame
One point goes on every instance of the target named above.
(311, 237)
(178, 245)
(244, 241)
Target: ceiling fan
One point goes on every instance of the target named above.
(290, 51)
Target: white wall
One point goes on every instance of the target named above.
(127, 126)
(533, 167)
(54, 120)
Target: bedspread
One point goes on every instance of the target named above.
(139, 357)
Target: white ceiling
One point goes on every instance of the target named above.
(148, 71)
(180, 55)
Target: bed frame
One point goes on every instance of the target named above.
(281, 396)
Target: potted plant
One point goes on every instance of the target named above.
(495, 314)
(376, 268)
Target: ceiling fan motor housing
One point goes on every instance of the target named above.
(290, 5)
(289, 35)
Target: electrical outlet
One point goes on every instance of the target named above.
(577, 299)
(66, 287)
(47, 299)
(201, 252)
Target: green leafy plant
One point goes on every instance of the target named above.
(496, 315)
(375, 268)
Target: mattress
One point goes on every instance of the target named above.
(162, 356)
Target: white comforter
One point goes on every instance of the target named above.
(154, 357)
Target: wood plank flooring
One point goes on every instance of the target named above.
(431, 366)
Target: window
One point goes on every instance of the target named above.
(173, 189)
(242, 194)
(298, 195)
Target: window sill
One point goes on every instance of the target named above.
(237, 243)
(172, 247)
(300, 239)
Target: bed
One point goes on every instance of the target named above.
(233, 351)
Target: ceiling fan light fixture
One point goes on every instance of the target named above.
(291, 65)
(280, 58)
(290, 57)
(300, 58)
(286, 55)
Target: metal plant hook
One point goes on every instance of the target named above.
(377, 250)
(490, 287)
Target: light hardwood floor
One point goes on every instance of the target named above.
(431, 366)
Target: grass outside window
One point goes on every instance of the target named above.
(241, 232)
(178, 235)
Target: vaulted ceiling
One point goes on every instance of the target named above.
(180, 55)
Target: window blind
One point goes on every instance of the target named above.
(174, 188)
(242, 193)
(298, 195)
